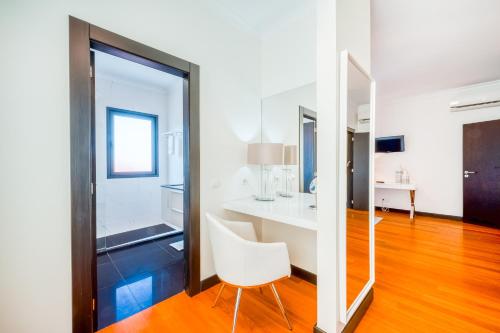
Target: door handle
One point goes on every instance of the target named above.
(469, 172)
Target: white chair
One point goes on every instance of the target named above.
(242, 262)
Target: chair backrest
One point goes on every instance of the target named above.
(229, 251)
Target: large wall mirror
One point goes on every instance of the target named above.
(356, 210)
(290, 118)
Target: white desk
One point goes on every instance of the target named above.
(405, 187)
(293, 211)
(288, 220)
(284, 212)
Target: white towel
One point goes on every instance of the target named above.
(178, 145)
(170, 144)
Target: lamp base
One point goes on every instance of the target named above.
(262, 198)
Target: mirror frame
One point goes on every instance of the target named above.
(347, 313)
(304, 113)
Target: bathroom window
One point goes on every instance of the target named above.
(132, 144)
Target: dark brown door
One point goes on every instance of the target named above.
(361, 164)
(481, 174)
(350, 168)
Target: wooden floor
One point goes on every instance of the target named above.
(357, 253)
(433, 275)
(258, 312)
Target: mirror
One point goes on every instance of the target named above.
(307, 144)
(290, 118)
(356, 210)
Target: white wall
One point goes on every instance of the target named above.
(433, 152)
(34, 120)
(354, 30)
(131, 203)
(289, 52)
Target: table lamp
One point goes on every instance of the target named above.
(290, 158)
(265, 155)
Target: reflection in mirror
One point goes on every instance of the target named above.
(289, 118)
(307, 137)
(358, 186)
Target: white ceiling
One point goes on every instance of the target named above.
(260, 15)
(427, 45)
(124, 70)
(417, 46)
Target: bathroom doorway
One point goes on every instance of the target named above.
(139, 182)
(135, 151)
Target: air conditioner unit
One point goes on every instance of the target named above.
(476, 97)
(462, 105)
(364, 114)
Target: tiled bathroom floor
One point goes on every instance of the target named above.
(134, 278)
(124, 238)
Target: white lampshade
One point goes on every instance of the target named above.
(265, 153)
(290, 155)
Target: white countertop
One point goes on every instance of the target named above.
(396, 186)
(293, 211)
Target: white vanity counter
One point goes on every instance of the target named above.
(293, 211)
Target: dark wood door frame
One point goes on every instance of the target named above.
(83, 36)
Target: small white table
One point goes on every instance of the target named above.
(293, 211)
(406, 187)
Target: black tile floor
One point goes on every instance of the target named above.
(123, 238)
(134, 278)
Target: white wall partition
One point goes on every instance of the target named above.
(352, 32)
(326, 85)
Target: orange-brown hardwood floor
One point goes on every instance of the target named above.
(434, 275)
(258, 312)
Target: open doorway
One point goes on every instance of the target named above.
(138, 186)
(134, 176)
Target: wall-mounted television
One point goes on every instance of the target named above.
(390, 144)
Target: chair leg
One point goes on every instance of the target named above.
(282, 309)
(218, 294)
(237, 305)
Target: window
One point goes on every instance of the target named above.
(132, 144)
